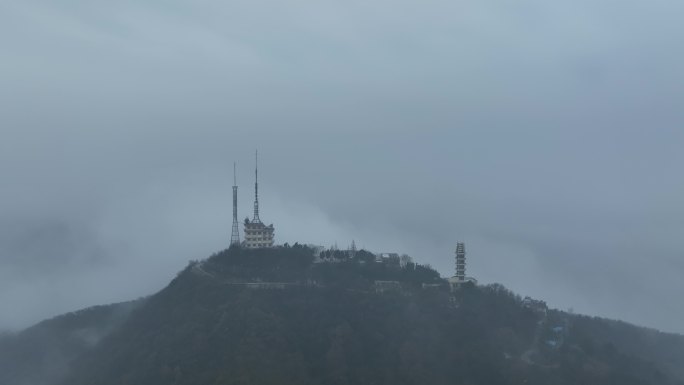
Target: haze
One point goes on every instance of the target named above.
(546, 135)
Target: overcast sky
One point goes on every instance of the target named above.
(547, 135)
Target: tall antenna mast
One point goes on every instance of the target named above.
(256, 187)
(235, 236)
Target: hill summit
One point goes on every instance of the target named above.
(292, 315)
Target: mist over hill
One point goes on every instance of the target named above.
(43, 353)
(292, 315)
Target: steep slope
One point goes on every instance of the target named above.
(275, 317)
(41, 355)
(594, 334)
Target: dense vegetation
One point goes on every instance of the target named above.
(332, 327)
(598, 336)
(282, 316)
(41, 354)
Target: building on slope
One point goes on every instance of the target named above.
(257, 234)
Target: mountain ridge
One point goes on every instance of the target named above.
(275, 316)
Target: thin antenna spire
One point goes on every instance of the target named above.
(256, 187)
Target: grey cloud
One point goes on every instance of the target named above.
(545, 135)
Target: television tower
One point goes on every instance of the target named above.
(235, 236)
(256, 187)
(257, 234)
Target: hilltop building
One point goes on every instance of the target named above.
(257, 234)
(460, 261)
(535, 305)
(460, 277)
(393, 259)
(387, 258)
(235, 236)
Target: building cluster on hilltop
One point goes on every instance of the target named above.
(257, 234)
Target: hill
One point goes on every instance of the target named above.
(277, 316)
(41, 355)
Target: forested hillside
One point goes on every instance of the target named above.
(41, 355)
(288, 316)
(276, 317)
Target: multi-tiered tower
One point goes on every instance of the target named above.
(257, 234)
(459, 279)
(460, 261)
(235, 236)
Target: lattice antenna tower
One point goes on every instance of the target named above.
(256, 187)
(235, 236)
